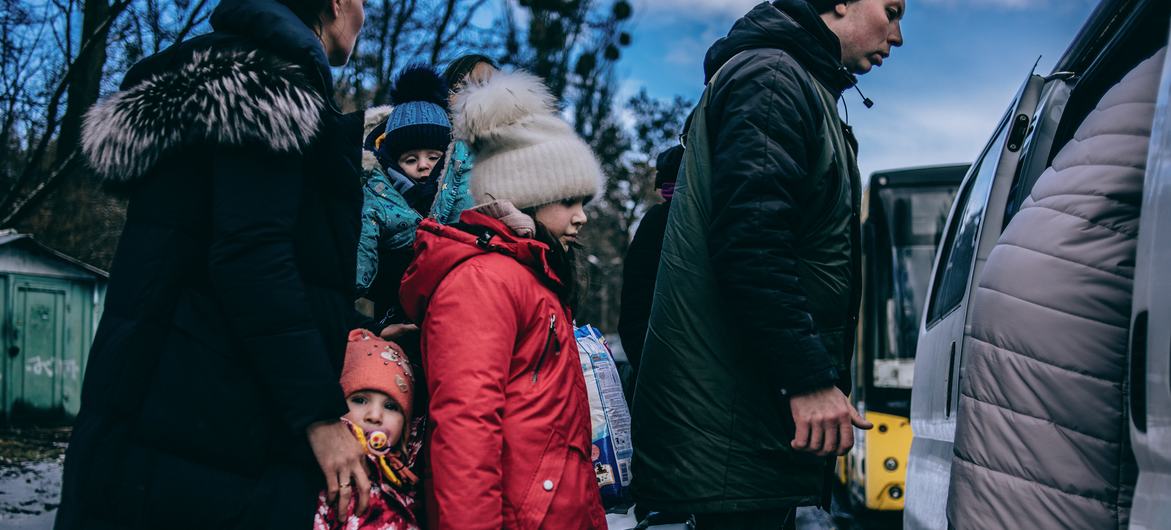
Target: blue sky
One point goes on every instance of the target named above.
(937, 98)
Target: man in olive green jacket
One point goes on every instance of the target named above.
(752, 323)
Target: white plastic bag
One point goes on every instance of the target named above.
(609, 416)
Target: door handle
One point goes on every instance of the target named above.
(14, 350)
(951, 369)
(1138, 372)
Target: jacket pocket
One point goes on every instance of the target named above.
(550, 345)
(543, 485)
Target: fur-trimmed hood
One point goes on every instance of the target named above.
(374, 117)
(227, 96)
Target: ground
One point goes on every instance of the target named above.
(30, 476)
(30, 487)
(808, 518)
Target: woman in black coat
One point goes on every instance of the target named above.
(211, 394)
(641, 267)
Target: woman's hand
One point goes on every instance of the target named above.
(343, 461)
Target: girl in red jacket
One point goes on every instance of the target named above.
(509, 436)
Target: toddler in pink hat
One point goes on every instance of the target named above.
(379, 385)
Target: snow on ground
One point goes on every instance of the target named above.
(29, 493)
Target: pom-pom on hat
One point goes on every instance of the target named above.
(419, 119)
(525, 153)
(375, 364)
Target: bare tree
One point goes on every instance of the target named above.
(74, 70)
(48, 89)
(58, 56)
(627, 152)
(400, 32)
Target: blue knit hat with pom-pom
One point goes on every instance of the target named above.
(419, 119)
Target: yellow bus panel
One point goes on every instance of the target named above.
(888, 445)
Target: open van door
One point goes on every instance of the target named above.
(1150, 374)
(973, 227)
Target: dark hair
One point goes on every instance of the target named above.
(458, 69)
(821, 6)
(309, 11)
(667, 165)
(564, 262)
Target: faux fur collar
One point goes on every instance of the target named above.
(220, 96)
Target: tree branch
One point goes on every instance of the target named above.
(194, 19)
(37, 193)
(51, 123)
(441, 28)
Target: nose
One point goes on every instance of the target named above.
(579, 216)
(896, 36)
(373, 416)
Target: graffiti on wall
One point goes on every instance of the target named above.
(39, 366)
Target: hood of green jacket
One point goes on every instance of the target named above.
(789, 25)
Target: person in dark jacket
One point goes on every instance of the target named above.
(751, 326)
(211, 395)
(642, 264)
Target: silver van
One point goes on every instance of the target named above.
(1041, 119)
(1150, 352)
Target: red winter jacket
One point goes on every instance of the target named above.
(508, 444)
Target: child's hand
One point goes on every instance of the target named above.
(395, 331)
(343, 461)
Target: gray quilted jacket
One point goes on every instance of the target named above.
(1041, 438)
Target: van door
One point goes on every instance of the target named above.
(1150, 354)
(974, 225)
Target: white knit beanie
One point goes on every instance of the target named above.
(525, 153)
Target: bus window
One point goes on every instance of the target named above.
(916, 224)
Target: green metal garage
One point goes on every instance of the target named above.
(50, 304)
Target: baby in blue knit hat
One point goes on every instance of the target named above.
(409, 149)
(418, 130)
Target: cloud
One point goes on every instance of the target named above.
(924, 132)
(689, 50)
(694, 9)
(1009, 5)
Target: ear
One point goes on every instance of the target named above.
(840, 8)
(335, 8)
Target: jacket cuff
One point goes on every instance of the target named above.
(810, 382)
(806, 367)
(332, 410)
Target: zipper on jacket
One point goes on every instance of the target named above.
(548, 342)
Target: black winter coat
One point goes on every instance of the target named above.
(638, 280)
(783, 242)
(232, 289)
(757, 295)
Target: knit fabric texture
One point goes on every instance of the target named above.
(374, 364)
(525, 153)
(417, 125)
(419, 119)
